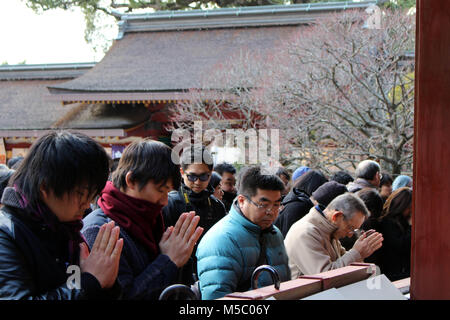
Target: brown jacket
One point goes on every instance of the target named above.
(312, 249)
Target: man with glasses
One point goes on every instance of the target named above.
(194, 194)
(312, 243)
(245, 239)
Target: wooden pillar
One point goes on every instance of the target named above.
(430, 270)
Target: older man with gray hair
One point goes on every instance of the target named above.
(368, 175)
(312, 243)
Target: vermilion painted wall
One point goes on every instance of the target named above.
(430, 271)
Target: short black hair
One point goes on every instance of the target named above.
(250, 179)
(386, 179)
(224, 167)
(114, 164)
(367, 169)
(60, 161)
(283, 171)
(194, 153)
(372, 200)
(147, 160)
(310, 181)
(342, 177)
(215, 179)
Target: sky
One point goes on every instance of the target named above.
(56, 36)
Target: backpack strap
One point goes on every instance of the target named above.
(185, 198)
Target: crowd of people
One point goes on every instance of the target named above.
(148, 223)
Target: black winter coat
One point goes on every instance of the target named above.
(395, 254)
(372, 223)
(205, 205)
(296, 205)
(33, 262)
(227, 199)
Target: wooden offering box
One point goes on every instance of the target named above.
(342, 276)
(307, 285)
(289, 290)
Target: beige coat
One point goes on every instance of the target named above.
(311, 248)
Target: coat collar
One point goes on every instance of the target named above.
(321, 222)
(364, 183)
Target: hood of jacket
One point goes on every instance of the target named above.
(295, 195)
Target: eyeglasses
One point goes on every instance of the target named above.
(352, 230)
(202, 177)
(265, 207)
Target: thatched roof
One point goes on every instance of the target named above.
(160, 56)
(171, 61)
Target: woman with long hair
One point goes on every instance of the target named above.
(395, 225)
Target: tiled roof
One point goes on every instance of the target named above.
(25, 103)
(44, 71)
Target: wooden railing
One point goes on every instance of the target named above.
(307, 285)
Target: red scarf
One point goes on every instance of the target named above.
(140, 218)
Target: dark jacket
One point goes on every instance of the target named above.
(395, 254)
(33, 260)
(227, 199)
(295, 205)
(372, 223)
(206, 206)
(139, 277)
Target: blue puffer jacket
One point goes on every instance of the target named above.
(228, 253)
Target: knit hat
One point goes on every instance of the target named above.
(298, 172)
(401, 181)
(328, 191)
